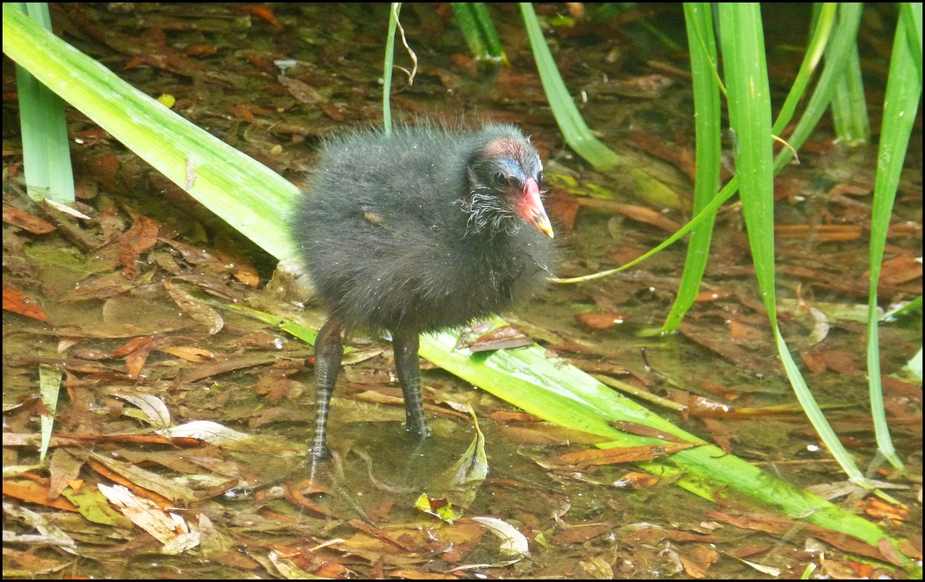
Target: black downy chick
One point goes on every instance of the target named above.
(424, 230)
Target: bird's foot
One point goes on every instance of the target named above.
(418, 427)
(318, 455)
(318, 452)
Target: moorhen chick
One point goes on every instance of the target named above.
(422, 230)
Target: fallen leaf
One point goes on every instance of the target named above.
(599, 320)
(617, 455)
(136, 240)
(26, 221)
(16, 301)
(578, 534)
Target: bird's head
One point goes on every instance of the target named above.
(505, 183)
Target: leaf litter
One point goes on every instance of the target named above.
(190, 420)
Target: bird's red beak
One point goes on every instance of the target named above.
(530, 208)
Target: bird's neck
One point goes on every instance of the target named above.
(487, 218)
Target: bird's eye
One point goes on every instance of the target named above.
(539, 178)
(500, 179)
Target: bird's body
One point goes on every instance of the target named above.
(389, 244)
(426, 229)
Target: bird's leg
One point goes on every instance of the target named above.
(328, 350)
(405, 345)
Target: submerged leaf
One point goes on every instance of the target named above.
(440, 508)
(513, 543)
(462, 481)
(49, 385)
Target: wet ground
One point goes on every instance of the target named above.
(133, 305)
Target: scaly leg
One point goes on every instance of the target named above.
(328, 351)
(405, 345)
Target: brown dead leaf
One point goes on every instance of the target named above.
(720, 433)
(599, 320)
(749, 550)
(724, 392)
(16, 301)
(247, 274)
(519, 86)
(240, 268)
(505, 337)
(460, 540)
(895, 387)
(699, 406)
(26, 221)
(879, 509)
(819, 232)
(189, 353)
(650, 86)
(111, 224)
(381, 511)
(617, 455)
(33, 492)
(512, 416)
(63, 468)
(777, 525)
(740, 357)
(104, 471)
(851, 189)
(195, 255)
(298, 497)
(465, 63)
(263, 12)
(200, 49)
(642, 214)
(908, 229)
(410, 574)
(673, 153)
(643, 430)
(578, 534)
(196, 309)
(708, 296)
(901, 269)
(333, 570)
(302, 91)
(911, 548)
(244, 111)
(27, 561)
(141, 237)
(80, 439)
(839, 361)
(105, 169)
(636, 480)
(814, 362)
(399, 542)
(697, 559)
(531, 436)
(890, 553)
(225, 365)
(273, 414)
(135, 361)
(275, 387)
(136, 343)
(100, 287)
(741, 332)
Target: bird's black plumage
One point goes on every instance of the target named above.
(422, 230)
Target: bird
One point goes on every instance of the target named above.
(426, 228)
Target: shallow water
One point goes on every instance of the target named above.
(133, 335)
